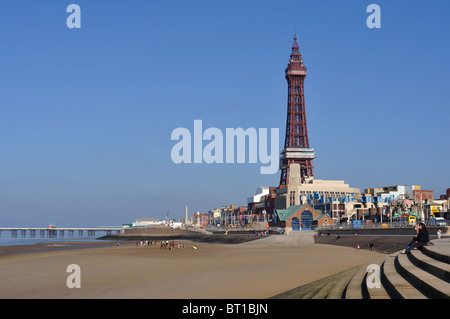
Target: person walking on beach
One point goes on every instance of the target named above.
(420, 240)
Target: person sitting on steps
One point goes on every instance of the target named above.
(422, 238)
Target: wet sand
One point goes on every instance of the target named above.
(49, 246)
(254, 270)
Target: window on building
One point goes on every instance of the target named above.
(292, 198)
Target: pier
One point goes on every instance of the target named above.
(53, 232)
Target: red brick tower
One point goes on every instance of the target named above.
(296, 145)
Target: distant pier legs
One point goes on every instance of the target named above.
(51, 233)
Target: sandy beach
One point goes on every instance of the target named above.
(253, 270)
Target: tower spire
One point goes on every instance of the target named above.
(296, 60)
(295, 44)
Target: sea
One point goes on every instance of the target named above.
(7, 240)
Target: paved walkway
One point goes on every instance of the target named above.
(441, 245)
(295, 238)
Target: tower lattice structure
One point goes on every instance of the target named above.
(296, 146)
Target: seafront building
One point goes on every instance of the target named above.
(329, 203)
(390, 192)
(332, 197)
(145, 221)
(300, 192)
(300, 217)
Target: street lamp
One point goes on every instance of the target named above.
(390, 210)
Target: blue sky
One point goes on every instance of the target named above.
(86, 114)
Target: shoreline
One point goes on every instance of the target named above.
(49, 246)
(110, 240)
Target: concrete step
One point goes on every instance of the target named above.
(397, 286)
(439, 251)
(354, 287)
(323, 292)
(378, 293)
(421, 274)
(374, 292)
(329, 285)
(305, 291)
(434, 266)
(316, 289)
(339, 286)
(431, 285)
(357, 287)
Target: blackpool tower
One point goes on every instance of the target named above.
(296, 146)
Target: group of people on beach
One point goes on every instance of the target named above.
(164, 244)
(169, 244)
